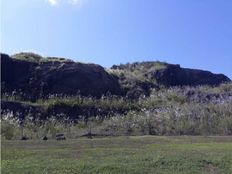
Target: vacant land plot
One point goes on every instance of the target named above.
(147, 154)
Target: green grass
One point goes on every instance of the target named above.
(146, 154)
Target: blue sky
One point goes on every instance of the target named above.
(192, 33)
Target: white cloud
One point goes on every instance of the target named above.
(72, 2)
(53, 2)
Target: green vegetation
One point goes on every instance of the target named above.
(131, 74)
(199, 110)
(32, 57)
(119, 126)
(147, 154)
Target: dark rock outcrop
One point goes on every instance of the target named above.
(139, 78)
(39, 79)
(174, 75)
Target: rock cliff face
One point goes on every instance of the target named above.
(174, 75)
(38, 79)
(43, 77)
(139, 78)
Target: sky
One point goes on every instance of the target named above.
(192, 33)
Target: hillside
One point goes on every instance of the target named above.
(138, 78)
(44, 96)
(35, 77)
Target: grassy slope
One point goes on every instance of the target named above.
(146, 154)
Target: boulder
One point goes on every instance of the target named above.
(60, 137)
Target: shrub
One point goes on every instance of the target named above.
(32, 57)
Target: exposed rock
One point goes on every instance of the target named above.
(139, 78)
(24, 138)
(45, 138)
(33, 77)
(39, 79)
(60, 136)
(174, 75)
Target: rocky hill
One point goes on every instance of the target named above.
(36, 77)
(138, 78)
(54, 94)
(40, 78)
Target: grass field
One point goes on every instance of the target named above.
(146, 154)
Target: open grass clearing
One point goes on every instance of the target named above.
(135, 154)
